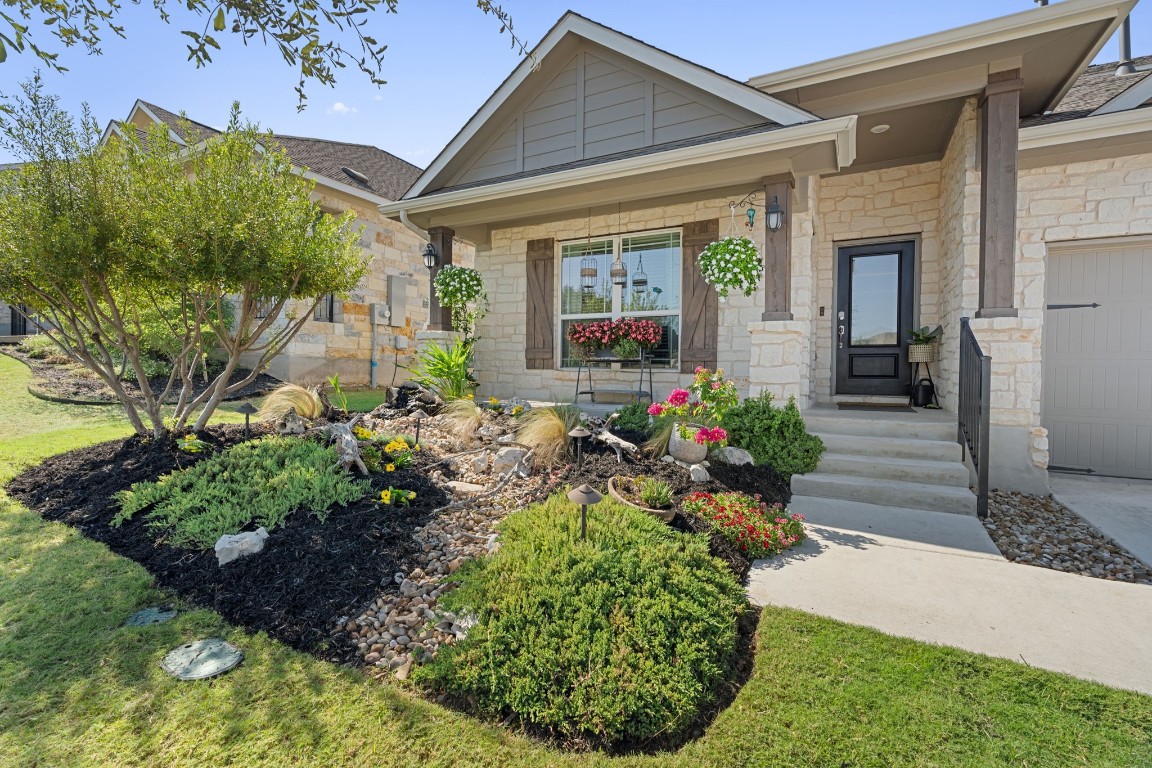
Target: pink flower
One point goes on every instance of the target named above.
(678, 397)
(699, 369)
(656, 409)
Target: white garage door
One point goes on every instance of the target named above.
(1098, 361)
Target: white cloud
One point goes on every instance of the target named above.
(340, 108)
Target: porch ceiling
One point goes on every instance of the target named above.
(743, 162)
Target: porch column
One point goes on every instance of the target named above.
(778, 251)
(999, 146)
(441, 239)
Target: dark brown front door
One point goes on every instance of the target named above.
(874, 306)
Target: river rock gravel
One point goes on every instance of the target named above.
(1040, 531)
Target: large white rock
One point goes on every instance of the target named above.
(232, 546)
(732, 455)
(507, 458)
(699, 474)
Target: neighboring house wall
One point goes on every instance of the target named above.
(344, 346)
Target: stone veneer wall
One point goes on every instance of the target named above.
(889, 203)
(500, 365)
(345, 345)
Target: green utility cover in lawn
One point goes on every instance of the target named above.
(202, 659)
(146, 617)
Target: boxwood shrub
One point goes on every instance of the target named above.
(622, 637)
(774, 436)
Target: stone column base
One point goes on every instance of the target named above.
(779, 361)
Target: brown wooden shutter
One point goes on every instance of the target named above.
(699, 308)
(539, 305)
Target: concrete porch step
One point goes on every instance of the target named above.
(894, 493)
(906, 448)
(951, 473)
(867, 424)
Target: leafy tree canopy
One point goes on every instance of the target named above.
(316, 38)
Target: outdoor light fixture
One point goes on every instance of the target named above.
(588, 273)
(774, 215)
(578, 434)
(419, 416)
(248, 410)
(431, 257)
(619, 272)
(584, 496)
(640, 279)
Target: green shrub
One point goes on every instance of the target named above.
(261, 482)
(632, 418)
(656, 494)
(623, 637)
(444, 370)
(38, 347)
(774, 436)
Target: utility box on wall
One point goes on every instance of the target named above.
(398, 300)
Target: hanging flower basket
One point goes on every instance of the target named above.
(731, 264)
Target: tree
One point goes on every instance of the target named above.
(318, 38)
(218, 240)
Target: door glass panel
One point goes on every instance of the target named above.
(875, 300)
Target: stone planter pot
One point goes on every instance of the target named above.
(663, 514)
(922, 353)
(687, 451)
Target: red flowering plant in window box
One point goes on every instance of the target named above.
(706, 400)
(628, 334)
(756, 528)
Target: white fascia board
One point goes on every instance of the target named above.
(1035, 21)
(1091, 128)
(139, 105)
(738, 93)
(1130, 98)
(113, 128)
(841, 130)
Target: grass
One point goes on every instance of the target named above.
(77, 689)
(365, 400)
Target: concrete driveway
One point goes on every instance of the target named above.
(1120, 509)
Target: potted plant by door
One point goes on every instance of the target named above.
(922, 343)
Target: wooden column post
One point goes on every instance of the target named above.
(999, 147)
(441, 239)
(778, 250)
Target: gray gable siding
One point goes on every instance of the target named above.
(597, 104)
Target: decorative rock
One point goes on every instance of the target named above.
(479, 463)
(732, 455)
(508, 459)
(231, 547)
(291, 423)
(699, 474)
(667, 459)
(404, 670)
(464, 489)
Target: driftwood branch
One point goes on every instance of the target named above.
(602, 435)
(507, 478)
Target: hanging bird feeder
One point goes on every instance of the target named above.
(640, 278)
(588, 273)
(619, 272)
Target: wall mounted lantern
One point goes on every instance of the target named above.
(774, 215)
(431, 257)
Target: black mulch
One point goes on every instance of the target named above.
(309, 573)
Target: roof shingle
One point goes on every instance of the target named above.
(1098, 85)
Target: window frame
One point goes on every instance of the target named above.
(617, 292)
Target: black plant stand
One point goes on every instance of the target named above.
(640, 393)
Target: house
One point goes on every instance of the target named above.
(341, 338)
(986, 172)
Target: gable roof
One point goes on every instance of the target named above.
(377, 172)
(766, 109)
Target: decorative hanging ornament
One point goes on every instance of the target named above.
(588, 273)
(619, 272)
(640, 278)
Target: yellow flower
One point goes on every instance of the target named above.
(390, 468)
(385, 497)
(411, 495)
(417, 447)
(493, 400)
(471, 396)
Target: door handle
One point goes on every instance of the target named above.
(841, 334)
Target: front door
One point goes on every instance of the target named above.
(874, 305)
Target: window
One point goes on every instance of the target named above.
(651, 290)
(264, 307)
(326, 309)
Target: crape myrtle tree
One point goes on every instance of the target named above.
(220, 240)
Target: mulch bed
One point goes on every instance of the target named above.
(308, 574)
(71, 382)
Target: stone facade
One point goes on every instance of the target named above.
(344, 346)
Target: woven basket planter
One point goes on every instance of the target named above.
(922, 353)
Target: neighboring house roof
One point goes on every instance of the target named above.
(1097, 86)
(375, 171)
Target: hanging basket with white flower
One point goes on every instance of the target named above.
(733, 263)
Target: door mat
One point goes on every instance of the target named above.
(890, 408)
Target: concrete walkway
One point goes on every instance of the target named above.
(1120, 509)
(938, 578)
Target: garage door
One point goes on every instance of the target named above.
(1098, 361)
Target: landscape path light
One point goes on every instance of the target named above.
(248, 410)
(578, 434)
(585, 495)
(419, 416)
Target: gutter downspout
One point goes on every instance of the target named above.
(412, 226)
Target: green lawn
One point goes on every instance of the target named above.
(364, 400)
(77, 689)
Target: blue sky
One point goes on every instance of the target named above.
(445, 58)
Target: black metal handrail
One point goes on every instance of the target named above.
(975, 405)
